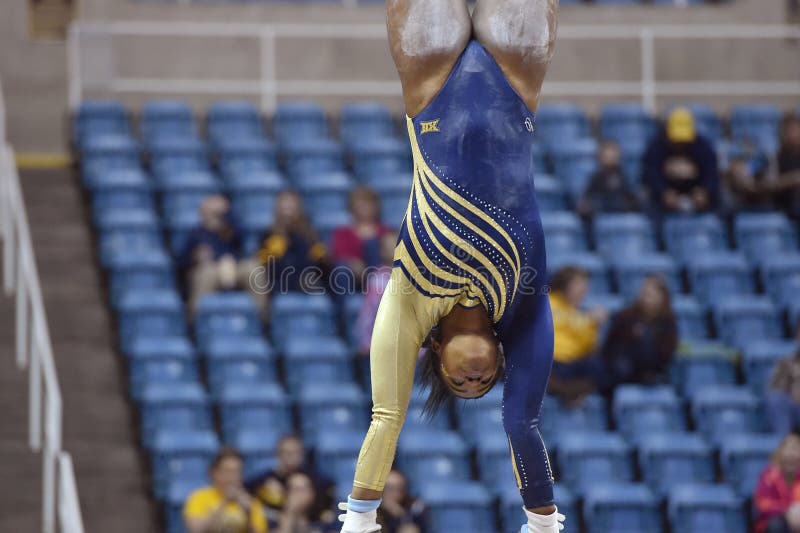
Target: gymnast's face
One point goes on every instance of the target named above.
(469, 362)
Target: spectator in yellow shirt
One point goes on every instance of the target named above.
(225, 506)
(576, 369)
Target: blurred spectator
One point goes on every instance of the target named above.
(358, 245)
(291, 252)
(680, 167)
(744, 183)
(376, 281)
(783, 393)
(303, 511)
(608, 190)
(225, 506)
(787, 186)
(212, 256)
(577, 370)
(777, 496)
(642, 338)
(271, 487)
(399, 512)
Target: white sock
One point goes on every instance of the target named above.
(544, 523)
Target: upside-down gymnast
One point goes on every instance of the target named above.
(469, 263)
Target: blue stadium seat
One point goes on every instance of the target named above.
(121, 189)
(98, 118)
(310, 358)
(640, 409)
(558, 419)
(415, 416)
(103, 153)
(563, 232)
(428, 455)
(239, 156)
(327, 222)
(299, 121)
(171, 155)
(295, 314)
(550, 193)
(314, 155)
(176, 406)
(180, 454)
(691, 317)
(715, 275)
(494, 459)
(740, 319)
(561, 123)
(365, 120)
(764, 234)
(258, 446)
(325, 192)
(756, 123)
(585, 457)
(151, 269)
(171, 364)
(721, 410)
(513, 517)
(232, 359)
(759, 357)
(689, 236)
(744, 456)
(232, 119)
(183, 195)
(152, 312)
(575, 163)
(178, 491)
(623, 235)
(623, 121)
(221, 314)
(340, 405)
(472, 415)
(699, 364)
(621, 508)
(376, 157)
(462, 506)
(631, 270)
(251, 405)
(671, 459)
(167, 118)
(593, 263)
(699, 508)
(780, 273)
(336, 451)
(394, 191)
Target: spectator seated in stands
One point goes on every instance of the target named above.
(680, 167)
(783, 393)
(642, 338)
(608, 190)
(358, 245)
(212, 257)
(745, 184)
(376, 281)
(399, 512)
(777, 495)
(293, 256)
(303, 511)
(225, 506)
(787, 186)
(271, 487)
(577, 370)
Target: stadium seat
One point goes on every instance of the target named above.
(619, 235)
(780, 273)
(472, 415)
(151, 269)
(721, 410)
(584, 457)
(631, 270)
(128, 232)
(376, 157)
(575, 163)
(241, 156)
(700, 508)
(233, 359)
(759, 357)
(363, 121)
(494, 457)
(331, 405)
(394, 191)
(739, 319)
(325, 192)
(299, 121)
(174, 406)
(756, 123)
(258, 446)
(428, 455)
(415, 417)
(101, 153)
(336, 451)
(561, 123)
(313, 156)
(623, 121)
(640, 409)
(170, 364)
(670, 459)
(550, 193)
(691, 317)
(152, 312)
(702, 363)
(180, 454)
(97, 118)
(761, 235)
(715, 275)
(171, 155)
(183, 194)
(621, 508)
(744, 456)
(232, 119)
(167, 118)
(318, 359)
(687, 236)
(557, 418)
(120, 189)
(593, 263)
(563, 232)
(221, 314)
(294, 314)
(251, 405)
(462, 506)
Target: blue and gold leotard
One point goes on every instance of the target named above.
(472, 236)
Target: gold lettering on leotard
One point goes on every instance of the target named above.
(429, 126)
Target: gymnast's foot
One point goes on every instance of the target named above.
(355, 522)
(540, 523)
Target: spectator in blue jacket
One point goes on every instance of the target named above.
(680, 167)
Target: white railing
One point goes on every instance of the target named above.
(34, 351)
(268, 87)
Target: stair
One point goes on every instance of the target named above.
(98, 420)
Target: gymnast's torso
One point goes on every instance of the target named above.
(472, 233)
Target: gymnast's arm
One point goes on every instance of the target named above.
(401, 325)
(527, 339)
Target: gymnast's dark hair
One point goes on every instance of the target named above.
(431, 378)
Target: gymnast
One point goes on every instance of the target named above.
(469, 265)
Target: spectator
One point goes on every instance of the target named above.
(783, 393)
(777, 496)
(787, 186)
(642, 338)
(358, 245)
(225, 506)
(376, 281)
(212, 256)
(744, 183)
(608, 190)
(399, 512)
(576, 370)
(303, 511)
(270, 487)
(680, 167)
(291, 252)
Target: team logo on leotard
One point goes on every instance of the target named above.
(529, 124)
(429, 126)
